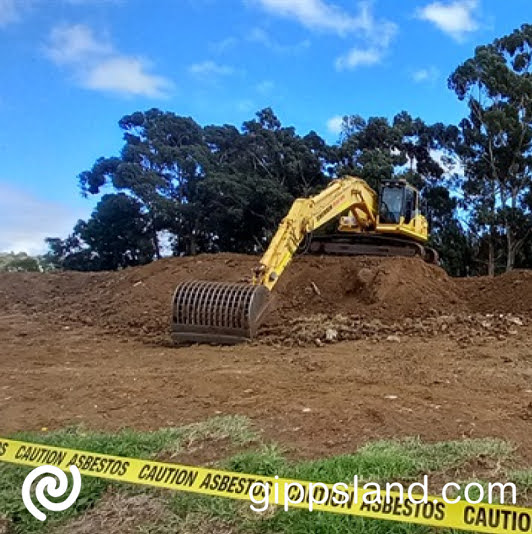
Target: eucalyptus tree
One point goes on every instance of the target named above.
(496, 137)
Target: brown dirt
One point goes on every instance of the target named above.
(136, 302)
(422, 357)
(509, 293)
(127, 514)
(315, 400)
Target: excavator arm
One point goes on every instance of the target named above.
(221, 312)
(309, 214)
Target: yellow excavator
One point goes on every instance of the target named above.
(389, 224)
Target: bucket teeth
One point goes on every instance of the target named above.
(217, 312)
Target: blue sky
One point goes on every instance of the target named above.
(71, 68)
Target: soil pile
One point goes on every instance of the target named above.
(508, 293)
(136, 302)
(384, 288)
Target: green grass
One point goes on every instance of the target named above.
(124, 443)
(235, 428)
(523, 480)
(386, 461)
(383, 461)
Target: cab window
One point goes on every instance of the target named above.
(410, 205)
(391, 205)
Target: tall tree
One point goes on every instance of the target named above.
(255, 175)
(378, 150)
(117, 235)
(161, 164)
(447, 235)
(497, 136)
(215, 188)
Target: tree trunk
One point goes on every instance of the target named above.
(192, 245)
(491, 255)
(510, 252)
(491, 241)
(193, 242)
(511, 239)
(156, 246)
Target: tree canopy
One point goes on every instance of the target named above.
(495, 141)
(222, 188)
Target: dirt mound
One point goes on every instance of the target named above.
(508, 293)
(136, 302)
(385, 288)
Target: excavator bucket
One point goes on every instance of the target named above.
(217, 312)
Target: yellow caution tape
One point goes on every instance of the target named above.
(435, 512)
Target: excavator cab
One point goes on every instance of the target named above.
(398, 200)
(399, 212)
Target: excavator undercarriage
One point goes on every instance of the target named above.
(370, 245)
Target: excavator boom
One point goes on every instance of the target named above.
(309, 214)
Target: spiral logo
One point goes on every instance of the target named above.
(49, 483)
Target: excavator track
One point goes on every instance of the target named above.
(217, 312)
(370, 245)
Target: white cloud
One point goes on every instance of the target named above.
(9, 12)
(98, 66)
(74, 44)
(210, 69)
(334, 124)
(219, 47)
(25, 220)
(429, 74)
(245, 105)
(420, 75)
(265, 87)
(318, 14)
(374, 36)
(357, 57)
(261, 36)
(126, 75)
(455, 18)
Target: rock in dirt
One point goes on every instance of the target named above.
(394, 339)
(331, 334)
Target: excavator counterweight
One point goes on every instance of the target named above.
(389, 224)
